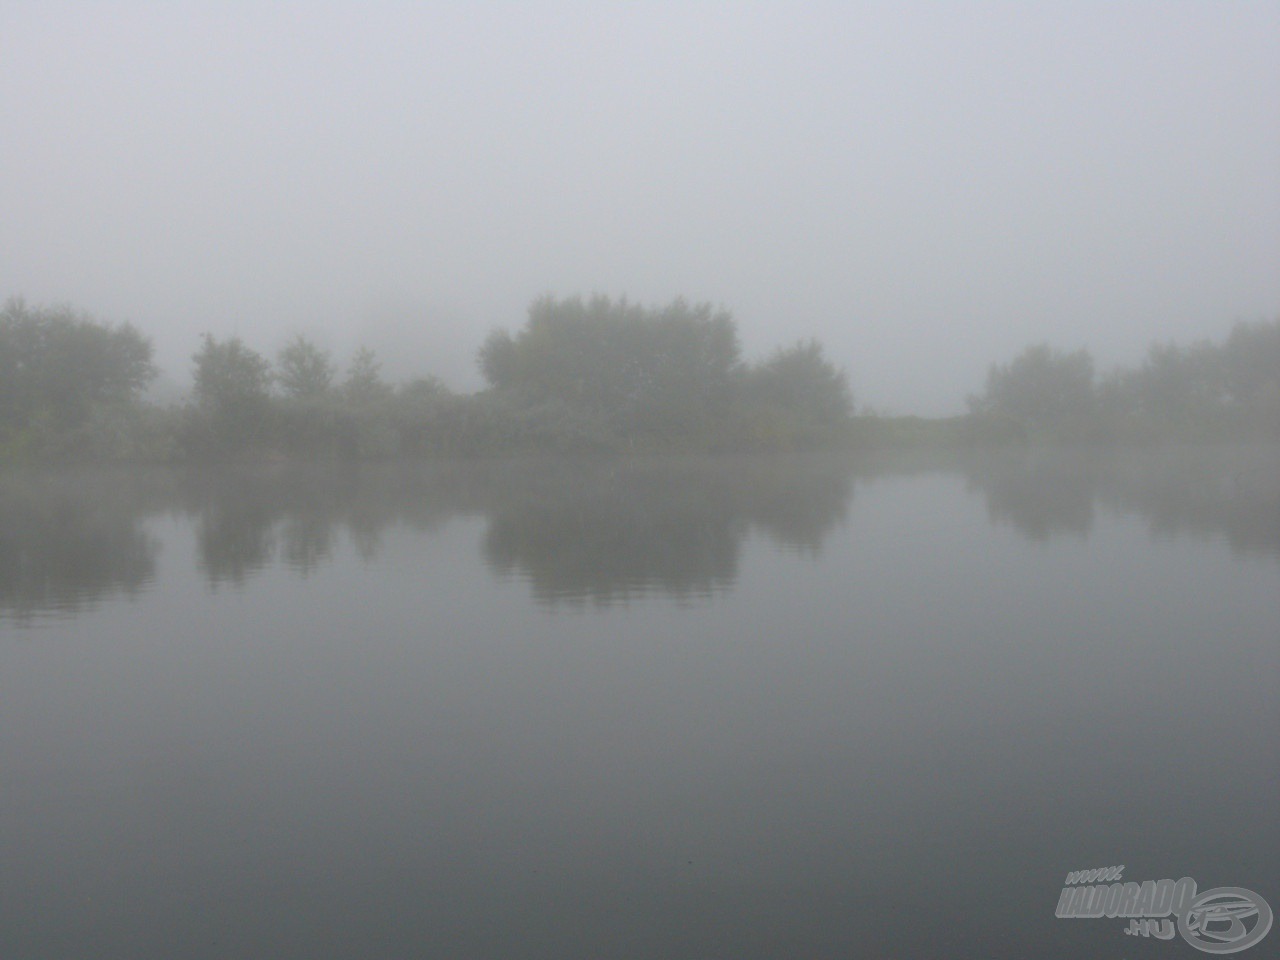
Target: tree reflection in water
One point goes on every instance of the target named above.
(1231, 492)
(70, 540)
(605, 532)
(583, 531)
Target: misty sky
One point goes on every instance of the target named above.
(923, 187)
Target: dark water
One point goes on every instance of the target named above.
(693, 708)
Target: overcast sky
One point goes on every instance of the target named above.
(923, 187)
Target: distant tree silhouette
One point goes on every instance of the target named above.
(229, 375)
(664, 371)
(364, 378)
(797, 390)
(1045, 390)
(233, 397)
(303, 370)
(58, 366)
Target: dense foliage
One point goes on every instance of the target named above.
(601, 369)
(583, 375)
(1203, 391)
(632, 372)
(62, 374)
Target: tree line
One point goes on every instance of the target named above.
(580, 375)
(1203, 391)
(594, 374)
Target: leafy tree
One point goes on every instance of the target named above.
(801, 386)
(233, 396)
(655, 371)
(364, 378)
(61, 365)
(304, 371)
(499, 360)
(1177, 384)
(1251, 366)
(230, 375)
(1204, 388)
(1042, 388)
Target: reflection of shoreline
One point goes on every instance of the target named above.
(607, 535)
(606, 531)
(600, 529)
(1203, 491)
(582, 530)
(69, 540)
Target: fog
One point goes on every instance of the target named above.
(924, 188)
(749, 707)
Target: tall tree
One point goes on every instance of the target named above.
(304, 371)
(229, 374)
(664, 370)
(233, 392)
(1042, 388)
(801, 385)
(59, 363)
(1251, 366)
(364, 382)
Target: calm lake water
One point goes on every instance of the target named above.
(694, 708)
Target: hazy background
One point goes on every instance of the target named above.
(924, 187)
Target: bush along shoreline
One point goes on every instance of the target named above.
(583, 376)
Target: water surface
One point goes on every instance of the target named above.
(727, 708)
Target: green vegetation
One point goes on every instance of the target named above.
(609, 373)
(1041, 389)
(593, 375)
(616, 369)
(68, 385)
(232, 406)
(1206, 391)
(582, 376)
(305, 371)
